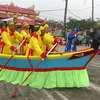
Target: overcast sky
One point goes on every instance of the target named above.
(81, 8)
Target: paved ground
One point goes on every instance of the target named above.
(89, 93)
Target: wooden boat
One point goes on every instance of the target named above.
(64, 61)
(54, 71)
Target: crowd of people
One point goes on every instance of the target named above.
(36, 43)
(41, 40)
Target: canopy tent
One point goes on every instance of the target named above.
(21, 20)
(7, 20)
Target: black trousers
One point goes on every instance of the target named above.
(95, 44)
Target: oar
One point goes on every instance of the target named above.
(12, 55)
(16, 90)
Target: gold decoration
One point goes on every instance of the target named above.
(15, 16)
(25, 15)
(10, 13)
(12, 4)
(38, 13)
(36, 18)
(20, 14)
(31, 7)
(31, 16)
(3, 12)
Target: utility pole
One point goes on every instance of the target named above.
(92, 15)
(92, 10)
(65, 15)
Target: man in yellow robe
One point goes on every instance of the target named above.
(10, 37)
(38, 42)
(3, 27)
(25, 32)
(48, 34)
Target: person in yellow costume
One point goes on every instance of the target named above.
(10, 37)
(3, 27)
(47, 30)
(38, 42)
(25, 32)
(48, 34)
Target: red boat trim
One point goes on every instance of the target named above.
(43, 69)
(82, 54)
(92, 57)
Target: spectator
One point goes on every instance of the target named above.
(87, 43)
(71, 45)
(80, 38)
(95, 35)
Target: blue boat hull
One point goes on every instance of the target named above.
(66, 61)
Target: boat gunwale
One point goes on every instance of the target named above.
(52, 56)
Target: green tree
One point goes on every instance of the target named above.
(81, 24)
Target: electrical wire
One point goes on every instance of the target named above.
(69, 9)
(74, 14)
(53, 14)
(50, 17)
(63, 16)
(84, 8)
(49, 10)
